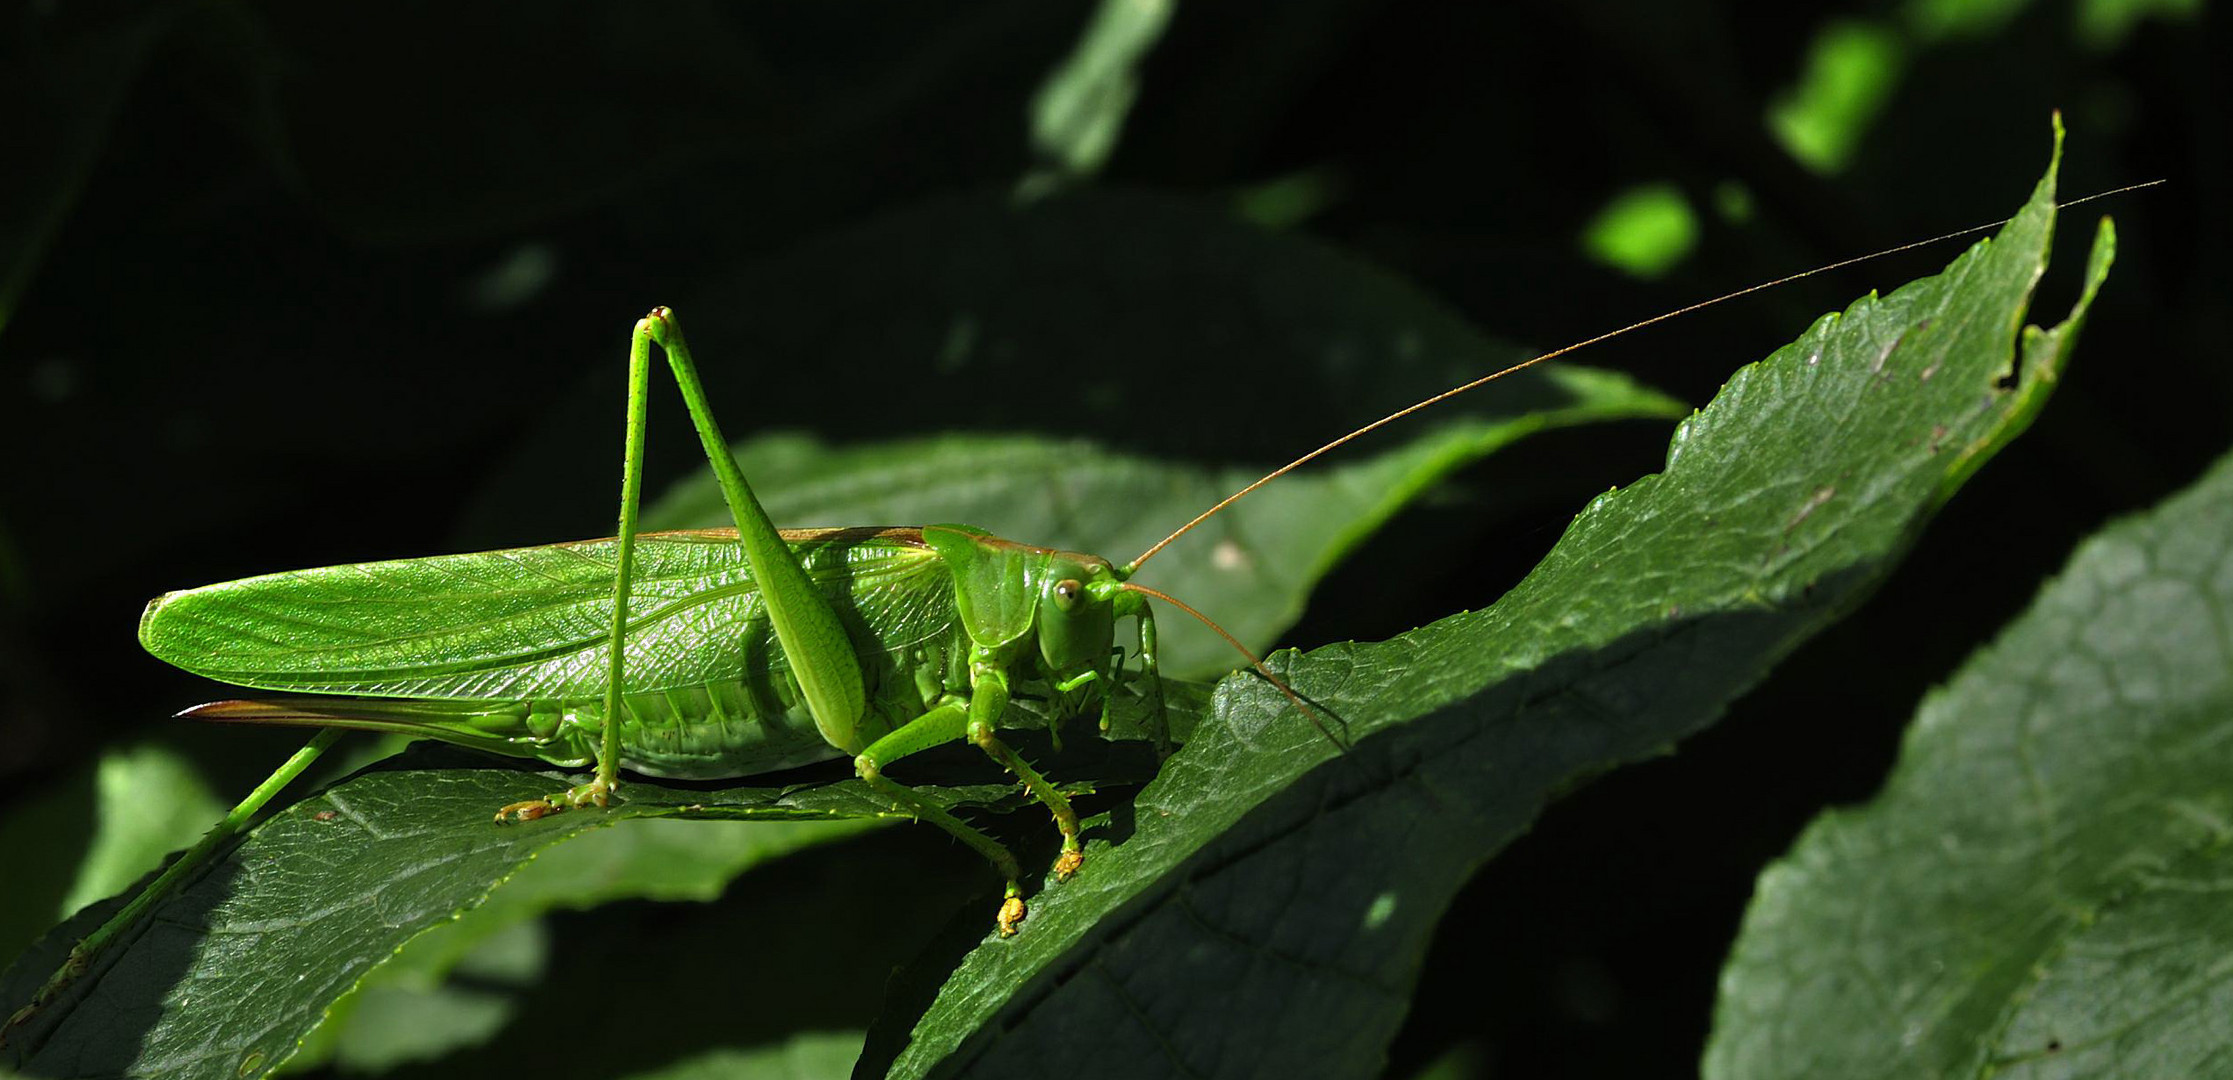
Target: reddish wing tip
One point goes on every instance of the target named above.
(247, 712)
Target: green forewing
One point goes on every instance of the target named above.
(531, 623)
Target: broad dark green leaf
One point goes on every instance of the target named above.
(406, 1010)
(230, 975)
(1266, 911)
(2044, 888)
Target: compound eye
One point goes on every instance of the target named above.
(1067, 593)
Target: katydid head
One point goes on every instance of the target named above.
(1067, 603)
(1078, 609)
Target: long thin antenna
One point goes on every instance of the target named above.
(1556, 353)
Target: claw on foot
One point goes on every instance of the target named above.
(73, 968)
(526, 811)
(593, 793)
(1068, 863)
(1011, 913)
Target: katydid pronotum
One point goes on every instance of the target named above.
(869, 643)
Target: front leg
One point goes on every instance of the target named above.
(988, 698)
(944, 724)
(1159, 714)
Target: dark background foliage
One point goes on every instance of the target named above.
(291, 285)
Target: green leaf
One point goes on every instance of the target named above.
(1267, 909)
(2045, 887)
(404, 1010)
(324, 890)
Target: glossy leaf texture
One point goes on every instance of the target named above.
(462, 982)
(1267, 912)
(228, 977)
(2042, 889)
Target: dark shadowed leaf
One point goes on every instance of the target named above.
(406, 1010)
(329, 887)
(2044, 888)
